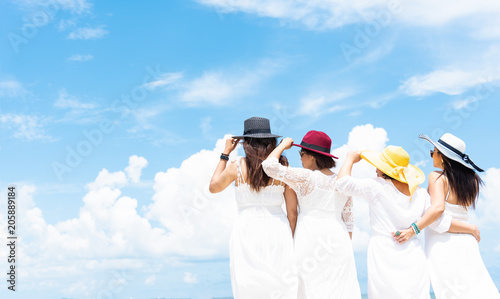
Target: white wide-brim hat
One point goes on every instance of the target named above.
(454, 148)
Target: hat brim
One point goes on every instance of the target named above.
(257, 135)
(445, 151)
(316, 151)
(374, 159)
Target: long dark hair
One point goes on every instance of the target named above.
(464, 182)
(257, 150)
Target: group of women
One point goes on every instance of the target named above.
(307, 252)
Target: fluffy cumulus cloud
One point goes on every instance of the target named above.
(198, 223)
(111, 234)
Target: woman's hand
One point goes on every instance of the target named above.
(231, 144)
(404, 236)
(354, 156)
(286, 143)
(476, 233)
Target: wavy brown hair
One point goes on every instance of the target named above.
(257, 150)
(464, 182)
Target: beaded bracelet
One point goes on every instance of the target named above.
(415, 228)
(224, 157)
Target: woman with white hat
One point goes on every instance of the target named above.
(261, 245)
(395, 202)
(323, 249)
(455, 265)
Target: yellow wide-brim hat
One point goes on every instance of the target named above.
(395, 162)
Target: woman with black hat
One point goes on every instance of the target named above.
(323, 249)
(261, 245)
(455, 265)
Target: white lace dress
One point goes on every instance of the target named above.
(394, 270)
(261, 245)
(323, 250)
(455, 265)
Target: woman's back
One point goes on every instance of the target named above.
(271, 195)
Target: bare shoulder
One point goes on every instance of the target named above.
(436, 178)
(435, 175)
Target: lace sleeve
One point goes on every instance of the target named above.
(347, 215)
(297, 178)
(364, 188)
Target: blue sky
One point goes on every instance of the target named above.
(112, 115)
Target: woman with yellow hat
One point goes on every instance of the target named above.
(396, 202)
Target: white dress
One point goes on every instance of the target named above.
(455, 265)
(261, 245)
(323, 249)
(394, 270)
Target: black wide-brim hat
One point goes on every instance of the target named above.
(257, 127)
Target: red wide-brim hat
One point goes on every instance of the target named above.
(318, 142)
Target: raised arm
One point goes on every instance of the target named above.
(349, 186)
(291, 207)
(223, 176)
(352, 158)
(297, 178)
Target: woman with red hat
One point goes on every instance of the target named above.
(323, 249)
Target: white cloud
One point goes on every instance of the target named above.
(150, 280)
(184, 206)
(73, 6)
(317, 105)
(164, 79)
(190, 278)
(320, 14)
(67, 101)
(11, 89)
(26, 127)
(488, 205)
(451, 82)
(80, 57)
(223, 87)
(110, 234)
(88, 33)
(134, 170)
(328, 14)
